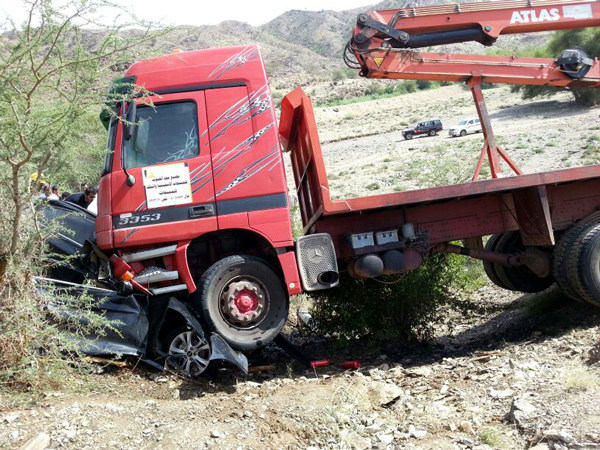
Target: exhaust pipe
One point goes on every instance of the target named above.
(328, 278)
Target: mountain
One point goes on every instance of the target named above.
(308, 42)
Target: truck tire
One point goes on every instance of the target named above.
(521, 278)
(432, 132)
(408, 136)
(463, 133)
(584, 265)
(490, 267)
(562, 259)
(243, 300)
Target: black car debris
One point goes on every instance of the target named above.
(162, 331)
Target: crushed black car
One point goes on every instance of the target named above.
(161, 331)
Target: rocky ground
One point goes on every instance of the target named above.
(504, 370)
(510, 371)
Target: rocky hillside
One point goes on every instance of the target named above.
(309, 42)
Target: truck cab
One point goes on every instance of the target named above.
(194, 177)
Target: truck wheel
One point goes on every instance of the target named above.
(432, 132)
(243, 300)
(188, 352)
(408, 136)
(490, 267)
(521, 278)
(584, 265)
(562, 259)
(463, 133)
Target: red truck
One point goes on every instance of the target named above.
(193, 199)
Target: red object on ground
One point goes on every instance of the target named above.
(351, 365)
(320, 363)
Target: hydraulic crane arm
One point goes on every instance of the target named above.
(382, 41)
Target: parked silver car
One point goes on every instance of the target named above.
(466, 126)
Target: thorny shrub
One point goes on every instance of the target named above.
(40, 326)
(406, 307)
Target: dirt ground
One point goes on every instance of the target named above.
(504, 370)
(512, 371)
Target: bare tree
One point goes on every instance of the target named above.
(52, 68)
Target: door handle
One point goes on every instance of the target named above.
(202, 211)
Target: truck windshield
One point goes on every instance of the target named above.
(163, 133)
(463, 122)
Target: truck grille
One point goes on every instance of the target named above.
(316, 256)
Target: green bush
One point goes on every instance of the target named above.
(374, 89)
(424, 84)
(38, 343)
(588, 39)
(410, 86)
(338, 75)
(405, 307)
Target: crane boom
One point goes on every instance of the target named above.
(383, 42)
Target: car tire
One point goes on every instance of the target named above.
(463, 133)
(188, 353)
(432, 132)
(408, 136)
(242, 299)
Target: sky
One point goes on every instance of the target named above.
(207, 12)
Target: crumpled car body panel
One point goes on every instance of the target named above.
(138, 321)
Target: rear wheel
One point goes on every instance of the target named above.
(408, 136)
(562, 261)
(584, 265)
(490, 267)
(432, 132)
(521, 278)
(243, 300)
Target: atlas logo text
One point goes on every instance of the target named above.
(533, 16)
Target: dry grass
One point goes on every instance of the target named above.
(347, 412)
(579, 379)
(494, 437)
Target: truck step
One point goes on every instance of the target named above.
(147, 254)
(155, 274)
(169, 289)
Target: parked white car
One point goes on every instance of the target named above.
(466, 126)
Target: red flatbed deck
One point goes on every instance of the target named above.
(537, 204)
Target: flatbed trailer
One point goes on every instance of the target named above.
(536, 204)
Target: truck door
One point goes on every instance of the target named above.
(247, 162)
(169, 156)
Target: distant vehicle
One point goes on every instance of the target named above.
(429, 128)
(466, 126)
